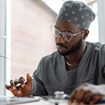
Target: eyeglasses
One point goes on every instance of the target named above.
(65, 34)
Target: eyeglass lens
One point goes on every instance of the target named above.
(66, 35)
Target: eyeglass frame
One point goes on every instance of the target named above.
(60, 33)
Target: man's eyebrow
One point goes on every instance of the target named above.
(64, 30)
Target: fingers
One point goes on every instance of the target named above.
(72, 97)
(82, 96)
(95, 98)
(12, 83)
(13, 89)
(12, 86)
(78, 96)
(29, 80)
(16, 86)
(86, 94)
(7, 87)
(20, 87)
(19, 81)
(16, 81)
(22, 82)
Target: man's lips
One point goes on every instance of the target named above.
(61, 45)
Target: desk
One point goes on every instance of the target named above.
(41, 102)
(28, 101)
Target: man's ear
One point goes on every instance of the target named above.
(85, 34)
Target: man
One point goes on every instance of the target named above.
(75, 63)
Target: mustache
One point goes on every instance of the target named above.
(60, 44)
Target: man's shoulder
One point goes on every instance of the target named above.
(96, 46)
(52, 56)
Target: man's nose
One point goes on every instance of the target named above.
(60, 39)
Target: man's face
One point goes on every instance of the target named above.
(68, 47)
(69, 51)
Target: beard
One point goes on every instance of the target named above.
(76, 47)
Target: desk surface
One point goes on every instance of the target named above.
(28, 101)
(23, 101)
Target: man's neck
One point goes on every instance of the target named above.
(76, 56)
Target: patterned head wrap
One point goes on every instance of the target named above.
(76, 12)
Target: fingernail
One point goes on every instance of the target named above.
(69, 102)
(22, 85)
(19, 92)
(13, 87)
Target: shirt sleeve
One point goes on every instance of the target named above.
(102, 65)
(38, 88)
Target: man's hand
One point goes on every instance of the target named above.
(20, 87)
(87, 93)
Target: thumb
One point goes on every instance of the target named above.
(29, 79)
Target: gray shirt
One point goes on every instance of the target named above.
(51, 74)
